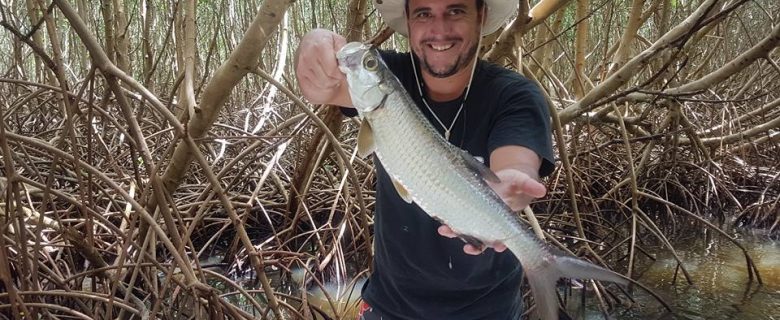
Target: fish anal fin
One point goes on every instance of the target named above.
(402, 191)
(365, 143)
(478, 167)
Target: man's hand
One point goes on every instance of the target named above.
(445, 230)
(317, 69)
(517, 188)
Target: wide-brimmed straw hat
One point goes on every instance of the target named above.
(498, 11)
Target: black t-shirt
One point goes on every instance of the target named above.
(419, 274)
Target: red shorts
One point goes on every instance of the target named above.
(366, 312)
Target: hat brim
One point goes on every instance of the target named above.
(498, 12)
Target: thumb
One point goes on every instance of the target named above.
(532, 188)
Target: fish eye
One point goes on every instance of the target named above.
(369, 62)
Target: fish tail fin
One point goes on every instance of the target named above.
(542, 282)
(543, 278)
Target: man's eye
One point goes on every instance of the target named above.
(422, 15)
(456, 12)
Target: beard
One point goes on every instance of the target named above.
(461, 62)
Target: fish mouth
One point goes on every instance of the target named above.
(350, 55)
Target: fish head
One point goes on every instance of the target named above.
(365, 72)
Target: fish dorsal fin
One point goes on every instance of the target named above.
(365, 142)
(402, 191)
(478, 167)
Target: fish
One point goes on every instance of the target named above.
(447, 182)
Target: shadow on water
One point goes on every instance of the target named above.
(721, 289)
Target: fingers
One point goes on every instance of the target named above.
(317, 68)
(519, 182)
(517, 189)
(469, 249)
(326, 70)
(532, 188)
(317, 82)
(326, 66)
(446, 231)
(474, 250)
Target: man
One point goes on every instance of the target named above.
(421, 270)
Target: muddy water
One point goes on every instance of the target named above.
(721, 289)
(347, 298)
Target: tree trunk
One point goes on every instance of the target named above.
(186, 55)
(241, 61)
(147, 21)
(122, 44)
(535, 16)
(624, 47)
(42, 73)
(308, 162)
(580, 49)
(631, 68)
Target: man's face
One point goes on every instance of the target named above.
(444, 34)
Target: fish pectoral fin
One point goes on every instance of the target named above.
(402, 191)
(478, 167)
(365, 142)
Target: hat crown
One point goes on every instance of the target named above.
(498, 12)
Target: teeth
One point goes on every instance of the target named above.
(441, 47)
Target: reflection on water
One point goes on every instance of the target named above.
(345, 299)
(720, 289)
(344, 295)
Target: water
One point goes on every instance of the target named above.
(717, 267)
(720, 290)
(347, 296)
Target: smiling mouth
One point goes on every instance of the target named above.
(441, 47)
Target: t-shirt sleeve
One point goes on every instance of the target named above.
(524, 120)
